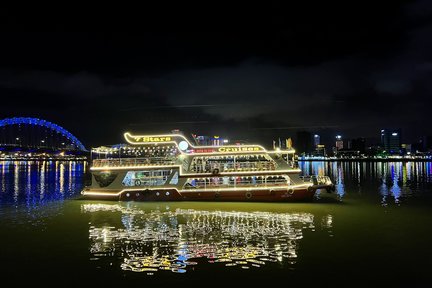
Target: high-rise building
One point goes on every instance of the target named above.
(304, 142)
(339, 142)
(320, 150)
(210, 140)
(358, 144)
(391, 140)
(316, 140)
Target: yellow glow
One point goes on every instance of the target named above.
(151, 139)
(281, 187)
(226, 149)
(107, 168)
(238, 149)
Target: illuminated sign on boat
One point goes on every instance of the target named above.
(207, 150)
(239, 149)
(151, 139)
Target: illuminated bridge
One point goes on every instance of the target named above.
(36, 135)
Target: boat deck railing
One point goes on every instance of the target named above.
(317, 179)
(233, 167)
(212, 185)
(118, 162)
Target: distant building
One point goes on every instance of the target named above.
(358, 144)
(210, 140)
(304, 142)
(339, 142)
(406, 148)
(421, 145)
(316, 140)
(391, 140)
(320, 150)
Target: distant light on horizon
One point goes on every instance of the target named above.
(394, 134)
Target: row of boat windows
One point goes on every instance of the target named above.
(160, 178)
(148, 178)
(236, 181)
(122, 162)
(229, 164)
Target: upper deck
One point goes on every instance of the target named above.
(175, 150)
(184, 146)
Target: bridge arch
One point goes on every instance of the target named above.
(43, 123)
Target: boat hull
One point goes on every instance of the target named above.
(265, 195)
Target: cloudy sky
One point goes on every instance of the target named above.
(250, 73)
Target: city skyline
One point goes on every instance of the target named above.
(253, 78)
(24, 134)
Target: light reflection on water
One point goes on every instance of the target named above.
(34, 183)
(394, 181)
(178, 240)
(382, 221)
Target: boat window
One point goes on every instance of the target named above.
(147, 178)
(105, 178)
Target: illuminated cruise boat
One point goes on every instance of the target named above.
(170, 168)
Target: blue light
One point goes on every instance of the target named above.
(44, 123)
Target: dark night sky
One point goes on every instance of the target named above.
(246, 72)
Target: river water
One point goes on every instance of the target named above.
(374, 230)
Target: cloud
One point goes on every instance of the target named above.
(357, 78)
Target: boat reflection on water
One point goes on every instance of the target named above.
(178, 240)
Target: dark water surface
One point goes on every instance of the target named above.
(375, 230)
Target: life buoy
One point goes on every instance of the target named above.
(215, 171)
(310, 189)
(248, 194)
(290, 191)
(137, 182)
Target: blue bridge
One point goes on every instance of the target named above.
(33, 134)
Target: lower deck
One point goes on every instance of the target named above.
(276, 194)
(169, 184)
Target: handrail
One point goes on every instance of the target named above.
(130, 162)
